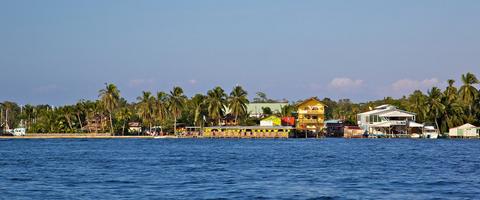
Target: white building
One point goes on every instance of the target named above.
(388, 119)
(464, 131)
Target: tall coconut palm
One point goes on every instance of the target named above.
(468, 93)
(237, 102)
(29, 112)
(161, 106)
(176, 102)
(417, 104)
(435, 106)
(451, 92)
(124, 115)
(453, 109)
(198, 102)
(79, 110)
(145, 107)
(67, 112)
(109, 97)
(216, 101)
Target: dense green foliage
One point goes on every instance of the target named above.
(448, 108)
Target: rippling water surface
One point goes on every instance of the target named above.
(239, 169)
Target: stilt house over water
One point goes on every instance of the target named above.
(464, 131)
(389, 120)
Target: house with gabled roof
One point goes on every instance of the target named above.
(311, 115)
(388, 119)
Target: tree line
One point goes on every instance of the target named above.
(444, 109)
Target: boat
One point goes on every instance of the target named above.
(415, 136)
(16, 132)
(430, 132)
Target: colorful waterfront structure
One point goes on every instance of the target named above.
(464, 131)
(271, 121)
(229, 120)
(96, 123)
(334, 128)
(288, 121)
(389, 120)
(311, 115)
(134, 127)
(353, 132)
(247, 132)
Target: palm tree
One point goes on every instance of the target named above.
(198, 102)
(176, 102)
(417, 104)
(468, 93)
(145, 107)
(451, 92)
(109, 97)
(435, 106)
(124, 114)
(237, 102)
(29, 112)
(161, 106)
(453, 109)
(67, 112)
(216, 101)
(287, 110)
(79, 110)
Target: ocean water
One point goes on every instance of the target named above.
(239, 169)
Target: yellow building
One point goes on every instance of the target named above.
(311, 115)
(247, 132)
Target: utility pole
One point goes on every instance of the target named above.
(6, 119)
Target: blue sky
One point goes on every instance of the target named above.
(58, 52)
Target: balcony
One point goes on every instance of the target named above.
(310, 121)
(311, 112)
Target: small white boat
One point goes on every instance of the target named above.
(16, 132)
(414, 136)
(430, 132)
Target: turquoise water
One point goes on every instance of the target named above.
(239, 169)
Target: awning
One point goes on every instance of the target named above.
(396, 113)
(382, 124)
(415, 125)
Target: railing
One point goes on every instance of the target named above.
(310, 121)
(312, 112)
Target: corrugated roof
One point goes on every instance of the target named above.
(396, 113)
(467, 125)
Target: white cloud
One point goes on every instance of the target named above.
(345, 83)
(192, 81)
(404, 86)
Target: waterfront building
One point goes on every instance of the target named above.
(353, 132)
(229, 120)
(464, 131)
(288, 121)
(388, 119)
(96, 123)
(134, 127)
(334, 128)
(271, 121)
(310, 115)
(247, 131)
